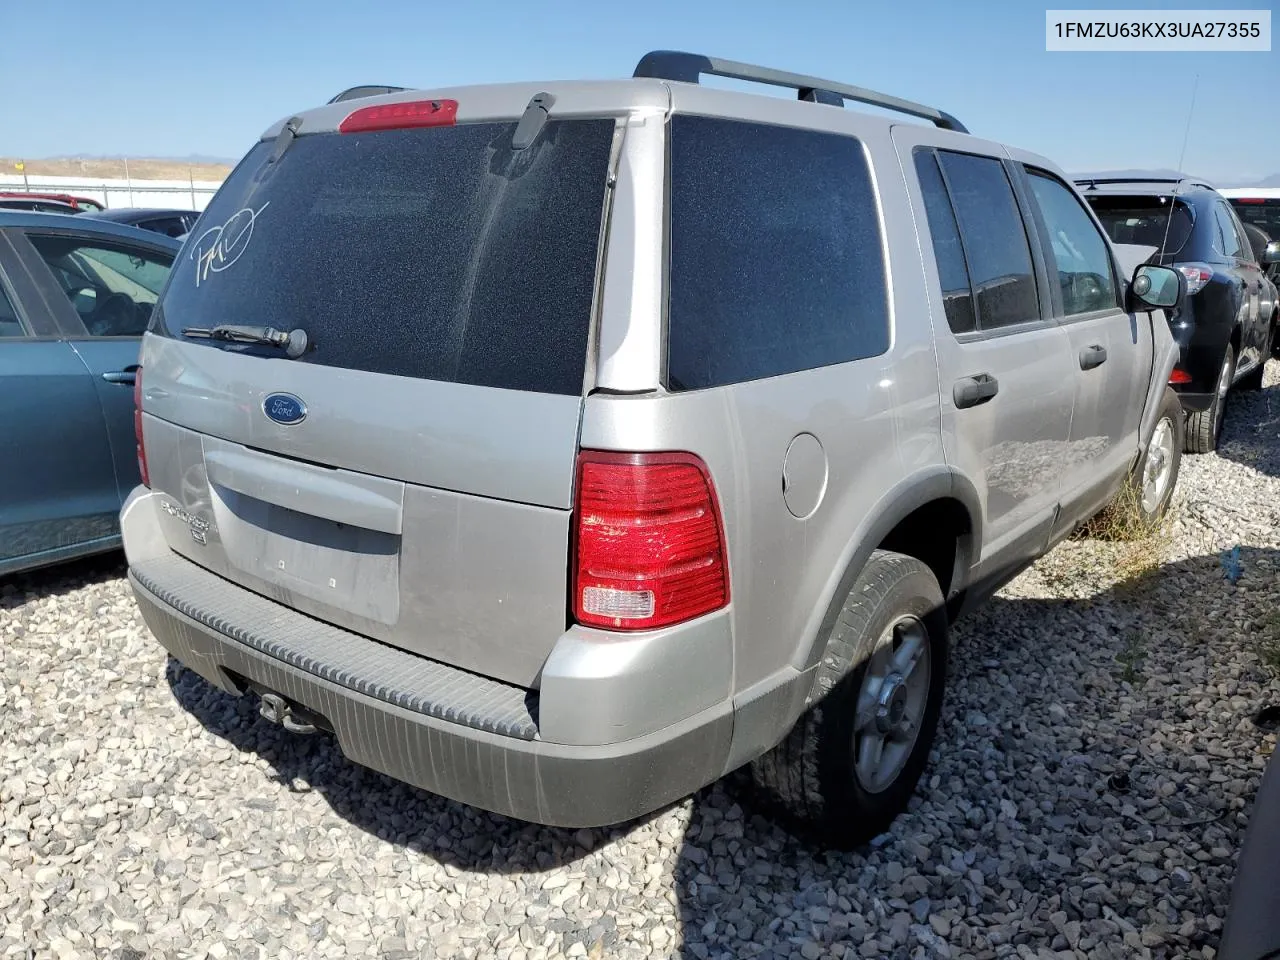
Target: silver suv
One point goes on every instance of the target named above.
(561, 448)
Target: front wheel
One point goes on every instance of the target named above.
(1204, 427)
(1150, 486)
(1157, 471)
(849, 766)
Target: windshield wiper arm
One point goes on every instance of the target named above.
(294, 342)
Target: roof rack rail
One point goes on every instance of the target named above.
(688, 67)
(365, 90)
(1092, 181)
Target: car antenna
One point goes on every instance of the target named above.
(1182, 155)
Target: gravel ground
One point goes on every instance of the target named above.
(1087, 796)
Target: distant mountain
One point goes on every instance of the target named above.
(204, 158)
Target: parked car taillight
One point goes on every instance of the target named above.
(137, 428)
(1197, 274)
(649, 541)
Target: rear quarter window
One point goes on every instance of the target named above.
(776, 259)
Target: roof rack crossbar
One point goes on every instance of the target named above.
(365, 90)
(689, 67)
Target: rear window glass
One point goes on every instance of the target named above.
(439, 253)
(1144, 220)
(1263, 214)
(775, 259)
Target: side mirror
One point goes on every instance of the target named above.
(1157, 287)
(1271, 255)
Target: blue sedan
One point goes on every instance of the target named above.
(75, 297)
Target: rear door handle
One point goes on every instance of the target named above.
(1094, 355)
(972, 391)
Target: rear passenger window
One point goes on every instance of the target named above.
(776, 262)
(994, 239)
(957, 295)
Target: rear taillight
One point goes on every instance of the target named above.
(396, 116)
(137, 428)
(1179, 376)
(1197, 274)
(649, 543)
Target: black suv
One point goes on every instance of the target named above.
(1224, 328)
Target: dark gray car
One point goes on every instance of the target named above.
(75, 296)
(172, 223)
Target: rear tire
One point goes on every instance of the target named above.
(850, 764)
(1204, 427)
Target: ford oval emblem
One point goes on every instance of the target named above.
(284, 408)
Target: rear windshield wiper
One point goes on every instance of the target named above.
(294, 342)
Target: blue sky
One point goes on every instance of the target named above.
(173, 79)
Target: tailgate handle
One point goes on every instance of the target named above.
(372, 503)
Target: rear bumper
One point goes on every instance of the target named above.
(529, 779)
(522, 753)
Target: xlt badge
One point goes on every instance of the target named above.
(198, 526)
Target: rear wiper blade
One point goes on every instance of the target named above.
(294, 342)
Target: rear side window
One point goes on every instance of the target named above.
(438, 253)
(994, 239)
(776, 263)
(957, 295)
(1228, 240)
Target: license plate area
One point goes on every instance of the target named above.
(345, 567)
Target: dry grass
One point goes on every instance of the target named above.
(1140, 544)
(1131, 657)
(139, 168)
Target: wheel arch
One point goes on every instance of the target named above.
(907, 519)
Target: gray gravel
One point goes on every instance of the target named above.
(1087, 796)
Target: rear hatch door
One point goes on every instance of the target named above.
(409, 476)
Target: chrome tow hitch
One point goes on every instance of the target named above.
(277, 709)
